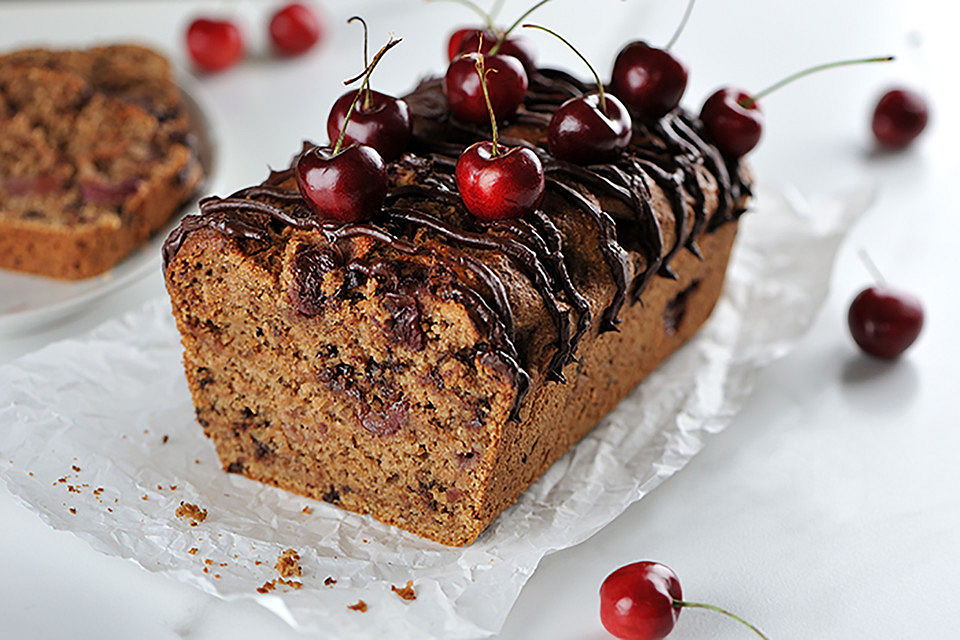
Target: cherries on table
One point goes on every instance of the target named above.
(884, 322)
(899, 117)
(214, 45)
(294, 29)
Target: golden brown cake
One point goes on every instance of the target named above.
(426, 367)
(96, 153)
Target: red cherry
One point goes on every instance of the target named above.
(735, 129)
(899, 117)
(383, 124)
(637, 601)
(504, 186)
(885, 322)
(214, 45)
(582, 132)
(650, 81)
(456, 40)
(294, 29)
(516, 47)
(507, 85)
(348, 186)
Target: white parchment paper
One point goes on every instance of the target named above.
(98, 436)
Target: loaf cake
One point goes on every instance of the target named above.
(426, 367)
(97, 152)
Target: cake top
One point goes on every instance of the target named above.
(549, 252)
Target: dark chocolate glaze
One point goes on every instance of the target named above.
(425, 214)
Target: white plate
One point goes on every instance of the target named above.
(28, 300)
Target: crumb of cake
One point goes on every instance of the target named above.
(75, 468)
(165, 439)
(109, 510)
(72, 510)
(406, 592)
(159, 487)
(208, 562)
(173, 487)
(361, 606)
(190, 512)
(62, 480)
(307, 510)
(271, 585)
(216, 575)
(206, 569)
(288, 564)
(329, 581)
(267, 587)
(193, 551)
(257, 563)
(144, 497)
(30, 473)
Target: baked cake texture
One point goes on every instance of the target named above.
(96, 153)
(426, 367)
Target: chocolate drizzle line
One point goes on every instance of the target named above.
(669, 153)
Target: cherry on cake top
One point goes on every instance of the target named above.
(214, 45)
(642, 601)
(588, 129)
(506, 87)
(378, 120)
(294, 29)
(497, 182)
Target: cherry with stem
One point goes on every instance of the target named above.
(883, 321)
(588, 129)
(468, 96)
(495, 182)
(345, 183)
(732, 118)
(651, 81)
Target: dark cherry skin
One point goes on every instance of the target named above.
(516, 47)
(732, 127)
(884, 322)
(348, 186)
(583, 133)
(899, 117)
(294, 29)
(637, 601)
(385, 125)
(214, 45)
(507, 186)
(650, 81)
(506, 83)
(456, 40)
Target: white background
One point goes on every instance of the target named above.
(831, 506)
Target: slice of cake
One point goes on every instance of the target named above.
(426, 367)
(96, 153)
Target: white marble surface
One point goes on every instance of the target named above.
(828, 509)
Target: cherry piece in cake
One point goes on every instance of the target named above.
(214, 45)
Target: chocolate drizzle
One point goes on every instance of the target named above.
(423, 217)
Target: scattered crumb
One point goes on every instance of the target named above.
(62, 480)
(208, 562)
(407, 592)
(288, 564)
(159, 487)
(30, 473)
(270, 585)
(206, 569)
(109, 509)
(257, 563)
(144, 497)
(72, 510)
(329, 581)
(173, 487)
(192, 512)
(223, 564)
(193, 551)
(361, 606)
(98, 491)
(196, 462)
(75, 468)
(216, 575)
(307, 510)
(72, 489)
(165, 439)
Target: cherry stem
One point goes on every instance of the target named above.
(683, 23)
(517, 22)
(700, 605)
(800, 74)
(366, 54)
(366, 81)
(478, 62)
(872, 268)
(603, 97)
(487, 17)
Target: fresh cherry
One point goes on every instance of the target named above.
(485, 40)
(497, 182)
(294, 29)
(347, 184)
(650, 80)
(642, 601)
(899, 117)
(588, 129)
(378, 120)
(885, 322)
(456, 40)
(732, 117)
(507, 87)
(733, 121)
(214, 45)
